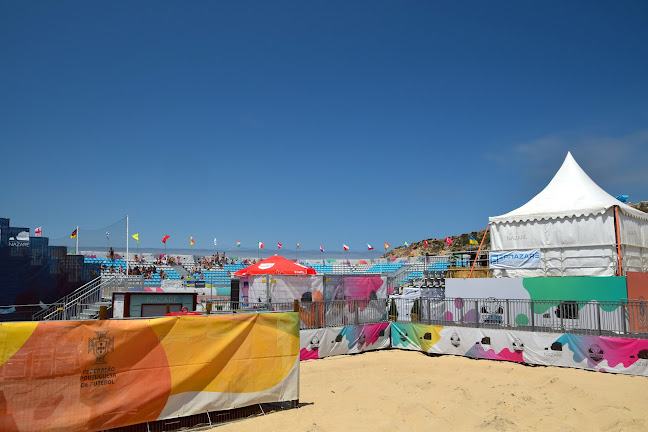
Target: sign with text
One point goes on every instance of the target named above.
(515, 259)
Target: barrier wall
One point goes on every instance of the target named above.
(93, 375)
(597, 353)
(587, 291)
(325, 342)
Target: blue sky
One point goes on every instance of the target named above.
(312, 122)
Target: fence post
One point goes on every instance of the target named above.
(295, 305)
(476, 313)
(355, 307)
(429, 300)
(598, 317)
(317, 318)
(561, 307)
(532, 315)
(508, 314)
(623, 309)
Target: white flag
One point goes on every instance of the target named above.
(214, 241)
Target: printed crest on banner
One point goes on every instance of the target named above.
(101, 345)
(595, 353)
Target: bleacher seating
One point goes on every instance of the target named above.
(385, 268)
(155, 279)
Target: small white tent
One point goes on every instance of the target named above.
(574, 224)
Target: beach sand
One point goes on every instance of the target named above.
(397, 390)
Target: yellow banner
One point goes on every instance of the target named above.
(92, 375)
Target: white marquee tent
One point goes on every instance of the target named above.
(574, 224)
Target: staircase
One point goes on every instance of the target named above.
(84, 302)
(181, 271)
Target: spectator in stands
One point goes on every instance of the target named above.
(136, 258)
(178, 261)
(111, 254)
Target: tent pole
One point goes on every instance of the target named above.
(478, 250)
(618, 238)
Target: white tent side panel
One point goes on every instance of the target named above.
(634, 241)
(583, 231)
(577, 246)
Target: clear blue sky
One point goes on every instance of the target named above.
(312, 122)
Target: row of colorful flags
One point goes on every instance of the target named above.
(38, 232)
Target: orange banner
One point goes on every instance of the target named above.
(93, 375)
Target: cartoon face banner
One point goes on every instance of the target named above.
(95, 375)
(332, 341)
(598, 353)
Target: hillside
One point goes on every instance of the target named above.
(439, 246)
(459, 243)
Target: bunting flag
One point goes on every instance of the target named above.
(387, 246)
(238, 243)
(369, 247)
(108, 235)
(321, 248)
(448, 241)
(166, 237)
(136, 237)
(472, 240)
(191, 241)
(279, 245)
(345, 247)
(74, 234)
(406, 244)
(38, 231)
(261, 245)
(426, 243)
(298, 246)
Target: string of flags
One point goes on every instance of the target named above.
(260, 245)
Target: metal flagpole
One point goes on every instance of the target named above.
(127, 245)
(76, 252)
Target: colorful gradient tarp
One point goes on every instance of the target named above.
(325, 342)
(597, 353)
(92, 375)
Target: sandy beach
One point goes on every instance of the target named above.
(402, 391)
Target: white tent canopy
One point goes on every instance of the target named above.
(573, 222)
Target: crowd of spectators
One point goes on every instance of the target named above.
(215, 261)
(146, 271)
(168, 260)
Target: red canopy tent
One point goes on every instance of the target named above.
(275, 265)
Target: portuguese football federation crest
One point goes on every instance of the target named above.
(100, 346)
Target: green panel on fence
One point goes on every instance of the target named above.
(582, 289)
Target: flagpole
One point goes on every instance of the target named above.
(126, 245)
(76, 252)
(478, 250)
